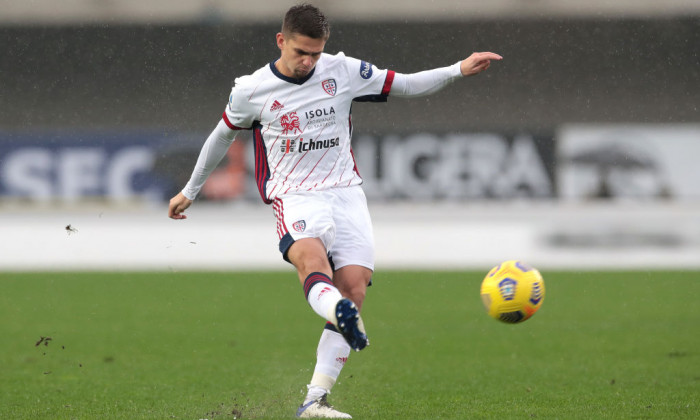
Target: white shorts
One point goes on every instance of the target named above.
(338, 217)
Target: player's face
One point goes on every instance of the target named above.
(299, 54)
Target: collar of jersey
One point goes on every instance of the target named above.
(291, 79)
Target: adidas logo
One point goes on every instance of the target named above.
(276, 106)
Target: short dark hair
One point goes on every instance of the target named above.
(305, 19)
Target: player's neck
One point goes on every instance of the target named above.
(279, 65)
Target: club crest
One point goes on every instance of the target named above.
(299, 225)
(329, 86)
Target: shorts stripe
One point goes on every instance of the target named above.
(278, 208)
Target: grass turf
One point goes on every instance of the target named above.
(225, 345)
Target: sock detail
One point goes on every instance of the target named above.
(331, 355)
(314, 279)
(320, 384)
(322, 295)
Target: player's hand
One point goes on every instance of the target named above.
(477, 62)
(178, 205)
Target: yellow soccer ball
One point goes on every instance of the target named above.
(512, 292)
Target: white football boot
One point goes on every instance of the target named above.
(320, 409)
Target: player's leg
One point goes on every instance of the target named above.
(352, 252)
(352, 281)
(333, 350)
(305, 246)
(331, 355)
(309, 257)
(353, 255)
(306, 229)
(333, 347)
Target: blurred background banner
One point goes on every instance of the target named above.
(68, 167)
(619, 162)
(590, 120)
(52, 166)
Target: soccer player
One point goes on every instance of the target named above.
(298, 108)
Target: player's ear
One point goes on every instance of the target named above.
(280, 40)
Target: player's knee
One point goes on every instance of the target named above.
(359, 296)
(312, 264)
(309, 256)
(356, 293)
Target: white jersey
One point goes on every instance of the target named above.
(302, 127)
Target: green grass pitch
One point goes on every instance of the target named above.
(604, 345)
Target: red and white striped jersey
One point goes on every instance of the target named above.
(302, 127)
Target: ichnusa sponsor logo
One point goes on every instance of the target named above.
(305, 146)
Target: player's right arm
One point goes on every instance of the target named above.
(178, 205)
(237, 116)
(214, 149)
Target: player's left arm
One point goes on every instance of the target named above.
(430, 81)
(477, 62)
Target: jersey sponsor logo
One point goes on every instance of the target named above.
(320, 118)
(365, 70)
(329, 86)
(311, 144)
(276, 106)
(290, 123)
(288, 146)
(299, 225)
(318, 113)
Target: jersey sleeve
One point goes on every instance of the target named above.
(368, 83)
(214, 149)
(425, 82)
(238, 114)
